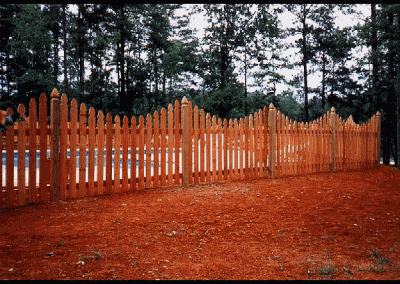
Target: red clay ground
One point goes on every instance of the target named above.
(344, 225)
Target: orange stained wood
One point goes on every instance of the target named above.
(148, 138)
(278, 138)
(44, 170)
(100, 152)
(82, 151)
(117, 156)
(236, 148)
(10, 162)
(208, 148)
(92, 143)
(156, 147)
(246, 148)
(170, 143)
(141, 152)
(63, 171)
(109, 150)
(241, 149)
(196, 144)
(125, 152)
(219, 146)
(190, 143)
(134, 143)
(202, 145)
(214, 148)
(163, 147)
(251, 147)
(230, 152)
(21, 157)
(32, 188)
(177, 144)
(73, 146)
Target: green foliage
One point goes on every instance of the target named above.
(130, 59)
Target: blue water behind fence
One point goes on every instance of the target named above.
(77, 158)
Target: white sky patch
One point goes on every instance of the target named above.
(286, 19)
(199, 22)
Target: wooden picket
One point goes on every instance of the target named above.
(178, 145)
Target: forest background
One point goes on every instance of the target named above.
(132, 59)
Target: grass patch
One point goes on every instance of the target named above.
(379, 263)
(378, 259)
(326, 270)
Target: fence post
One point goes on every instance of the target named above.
(272, 128)
(332, 144)
(55, 143)
(185, 142)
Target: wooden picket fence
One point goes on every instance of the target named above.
(178, 146)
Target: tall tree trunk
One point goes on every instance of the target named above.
(305, 58)
(390, 112)
(81, 52)
(56, 57)
(374, 47)
(323, 96)
(245, 76)
(398, 119)
(397, 88)
(65, 46)
(124, 104)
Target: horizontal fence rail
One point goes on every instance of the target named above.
(81, 153)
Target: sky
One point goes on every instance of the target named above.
(199, 22)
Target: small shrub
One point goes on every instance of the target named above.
(378, 258)
(323, 270)
(326, 270)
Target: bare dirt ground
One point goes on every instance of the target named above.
(343, 225)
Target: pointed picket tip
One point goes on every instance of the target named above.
(32, 102)
(54, 94)
(271, 106)
(133, 121)
(100, 115)
(82, 109)
(64, 98)
(184, 100)
(21, 110)
(92, 112)
(109, 118)
(117, 120)
(32, 106)
(42, 97)
(74, 103)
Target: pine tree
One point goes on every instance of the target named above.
(31, 46)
